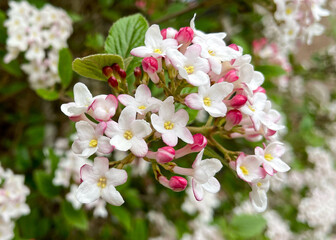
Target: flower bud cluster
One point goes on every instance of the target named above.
(40, 34)
(224, 85)
(13, 194)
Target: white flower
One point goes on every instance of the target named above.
(71, 197)
(203, 177)
(270, 157)
(155, 45)
(100, 181)
(191, 66)
(91, 140)
(210, 98)
(83, 99)
(103, 108)
(248, 168)
(99, 208)
(258, 195)
(6, 229)
(129, 133)
(170, 124)
(142, 101)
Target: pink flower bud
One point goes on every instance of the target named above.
(115, 67)
(234, 46)
(234, 116)
(238, 100)
(185, 35)
(150, 65)
(137, 72)
(199, 143)
(231, 76)
(168, 33)
(260, 89)
(177, 183)
(107, 71)
(122, 73)
(113, 82)
(165, 154)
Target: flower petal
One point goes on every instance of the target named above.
(120, 143)
(104, 145)
(140, 128)
(142, 93)
(116, 177)
(194, 101)
(82, 95)
(87, 192)
(127, 116)
(85, 131)
(197, 190)
(112, 196)
(184, 134)
(169, 138)
(139, 147)
(212, 185)
(126, 99)
(112, 129)
(100, 166)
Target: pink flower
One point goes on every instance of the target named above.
(248, 167)
(104, 109)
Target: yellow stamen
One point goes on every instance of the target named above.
(251, 108)
(93, 143)
(268, 157)
(290, 32)
(128, 135)
(212, 53)
(259, 184)
(289, 11)
(101, 182)
(189, 69)
(142, 107)
(157, 50)
(207, 101)
(244, 170)
(168, 125)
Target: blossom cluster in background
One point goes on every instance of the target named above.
(39, 34)
(13, 205)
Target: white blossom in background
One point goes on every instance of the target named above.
(277, 228)
(40, 34)
(165, 227)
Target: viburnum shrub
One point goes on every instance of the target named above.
(175, 74)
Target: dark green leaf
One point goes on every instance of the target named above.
(64, 67)
(123, 216)
(76, 218)
(44, 184)
(49, 95)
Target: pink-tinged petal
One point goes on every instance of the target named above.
(85, 131)
(127, 116)
(202, 65)
(259, 152)
(112, 103)
(169, 43)
(100, 166)
(183, 73)
(170, 138)
(101, 115)
(87, 192)
(181, 118)
(212, 185)
(246, 73)
(112, 196)
(112, 129)
(126, 99)
(279, 165)
(194, 101)
(176, 58)
(268, 169)
(167, 109)
(211, 166)
(276, 149)
(87, 152)
(139, 147)
(100, 129)
(259, 100)
(193, 52)
(104, 145)
(140, 128)
(142, 93)
(157, 123)
(217, 109)
(198, 159)
(116, 177)
(78, 146)
(184, 134)
(198, 78)
(219, 91)
(259, 200)
(65, 108)
(257, 80)
(75, 110)
(216, 65)
(154, 77)
(141, 52)
(82, 95)
(153, 36)
(86, 173)
(197, 190)
(120, 143)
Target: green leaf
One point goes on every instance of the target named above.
(123, 216)
(95, 41)
(49, 95)
(64, 67)
(248, 226)
(92, 66)
(139, 230)
(126, 34)
(44, 184)
(76, 218)
(209, 152)
(271, 70)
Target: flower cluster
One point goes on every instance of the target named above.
(13, 205)
(223, 83)
(40, 33)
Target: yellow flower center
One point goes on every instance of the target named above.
(128, 135)
(142, 107)
(157, 50)
(207, 101)
(93, 143)
(101, 182)
(212, 53)
(290, 32)
(251, 108)
(289, 11)
(244, 170)
(189, 69)
(268, 157)
(168, 125)
(259, 184)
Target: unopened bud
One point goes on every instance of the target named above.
(199, 142)
(238, 100)
(231, 76)
(260, 89)
(122, 73)
(184, 35)
(168, 33)
(107, 71)
(115, 67)
(113, 82)
(177, 183)
(233, 117)
(234, 46)
(137, 72)
(165, 154)
(150, 65)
